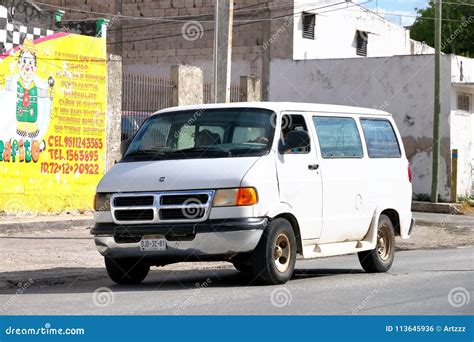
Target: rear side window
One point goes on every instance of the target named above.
(338, 137)
(380, 138)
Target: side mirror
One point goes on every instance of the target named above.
(294, 140)
(124, 146)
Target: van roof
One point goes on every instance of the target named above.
(284, 106)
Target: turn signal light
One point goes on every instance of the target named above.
(246, 196)
(235, 197)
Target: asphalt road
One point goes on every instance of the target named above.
(419, 282)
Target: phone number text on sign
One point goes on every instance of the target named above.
(73, 155)
(75, 142)
(66, 168)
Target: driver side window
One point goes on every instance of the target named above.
(293, 122)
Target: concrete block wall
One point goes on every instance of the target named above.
(151, 47)
(175, 43)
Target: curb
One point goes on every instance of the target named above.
(19, 225)
(438, 208)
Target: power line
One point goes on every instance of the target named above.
(159, 19)
(239, 11)
(406, 15)
(458, 3)
(245, 23)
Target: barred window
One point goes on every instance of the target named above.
(309, 22)
(464, 102)
(362, 39)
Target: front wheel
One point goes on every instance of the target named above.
(381, 258)
(242, 264)
(275, 255)
(126, 271)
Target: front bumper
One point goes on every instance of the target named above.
(184, 240)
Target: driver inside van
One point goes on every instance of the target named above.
(206, 138)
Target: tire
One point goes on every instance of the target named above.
(247, 269)
(381, 258)
(275, 255)
(242, 264)
(126, 271)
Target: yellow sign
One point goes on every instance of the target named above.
(52, 125)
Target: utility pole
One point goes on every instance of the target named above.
(437, 104)
(223, 49)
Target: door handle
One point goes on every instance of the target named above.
(313, 166)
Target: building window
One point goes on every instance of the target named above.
(464, 102)
(309, 22)
(362, 39)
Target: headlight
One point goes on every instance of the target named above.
(235, 197)
(102, 202)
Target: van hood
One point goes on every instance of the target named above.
(181, 174)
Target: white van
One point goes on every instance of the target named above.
(256, 184)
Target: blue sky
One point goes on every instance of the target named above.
(403, 7)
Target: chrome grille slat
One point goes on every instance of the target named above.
(182, 206)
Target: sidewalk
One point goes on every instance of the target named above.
(10, 224)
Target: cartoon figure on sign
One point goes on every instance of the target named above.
(26, 101)
(29, 92)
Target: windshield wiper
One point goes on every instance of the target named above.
(250, 151)
(204, 150)
(145, 153)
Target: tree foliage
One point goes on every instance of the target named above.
(457, 28)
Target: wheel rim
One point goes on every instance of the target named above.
(282, 253)
(384, 245)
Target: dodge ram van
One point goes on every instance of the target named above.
(258, 185)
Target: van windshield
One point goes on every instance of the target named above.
(210, 133)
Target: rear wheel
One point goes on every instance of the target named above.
(275, 255)
(381, 258)
(126, 271)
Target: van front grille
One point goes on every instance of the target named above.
(182, 206)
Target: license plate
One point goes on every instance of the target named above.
(149, 244)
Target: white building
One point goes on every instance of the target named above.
(335, 29)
